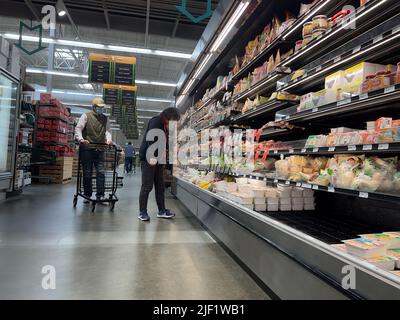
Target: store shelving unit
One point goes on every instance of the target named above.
(296, 245)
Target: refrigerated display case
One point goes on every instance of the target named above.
(9, 87)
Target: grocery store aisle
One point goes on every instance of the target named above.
(111, 256)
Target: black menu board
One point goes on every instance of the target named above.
(110, 96)
(128, 97)
(99, 71)
(124, 74)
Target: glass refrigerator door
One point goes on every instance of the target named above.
(8, 106)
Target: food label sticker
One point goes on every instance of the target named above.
(364, 195)
(367, 147)
(306, 185)
(363, 96)
(303, 150)
(356, 49)
(287, 183)
(314, 110)
(384, 146)
(331, 189)
(315, 150)
(352, 148)
(390, 89)
(331, 149)
(314, 187)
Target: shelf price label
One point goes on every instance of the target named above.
(291, 151)
(337, 59)
(384, 146)
(319, 68)
(314, 110)
(306, 186)
(331, 189)
(332, 149)
(367, 147)
(303, 150)
(275, 151)
(356, 49)
(352, 148)
(287, 183)
(298, 184)
(363, 96)
(378, 38)
(343, 102)
(275, 181)
(315, 150)
(315, 187)
(390, 89)
(364, 195)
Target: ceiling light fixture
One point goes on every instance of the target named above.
(61, 9)
(91, 45)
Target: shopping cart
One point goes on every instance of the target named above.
(102, 158)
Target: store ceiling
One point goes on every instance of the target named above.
(123, 23)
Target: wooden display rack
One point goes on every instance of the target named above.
(60, 173)
(75, 165)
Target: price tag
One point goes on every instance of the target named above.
(275, 151)
(287, 117)
(314, 110)
(305, 75)
(291, 151)
(337, 59)
(315, 150)
(352, 148)
(331, 189)
(343, 102)
(390, 89)
(298, 184)
(306, 185)
(356, 49)
(287, 183)
(396, 29)
(331, 149)
(367, 147)
(303, 150)
(384, 146)
(363, 96)
(364, 195)
(319, 68)
(276, 181)
(378, 38)
(265, 179)
(315, 187)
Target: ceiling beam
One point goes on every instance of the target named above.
(146, 41)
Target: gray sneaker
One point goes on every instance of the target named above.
(144, 216)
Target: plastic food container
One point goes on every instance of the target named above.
(273, 207)
(260, 207)
(298, 201)
(309, 207)
(387, 263)
(285, 201)
(391, 240)
(258, 193)
(243, 188)
(285, 207)
(309, 201)
(273, 201)
(242, 181)
(320, 22)
(307, 40)
(242, 198)
(395, 253)
(316, 33)
(297, 193)
(271, 193)
(365, 248)
(308, 29)
(299, 45)
(298, 207)
(259, 201)
(308, 193)
(249, 206)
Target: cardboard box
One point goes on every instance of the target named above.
(355, 76)
(335, 81)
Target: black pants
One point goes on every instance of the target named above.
(128, 164)
(152, 175)
(93, 158)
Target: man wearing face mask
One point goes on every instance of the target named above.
(93, 128)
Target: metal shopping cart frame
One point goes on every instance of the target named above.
(110, 158)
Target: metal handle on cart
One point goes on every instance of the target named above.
(98, 145)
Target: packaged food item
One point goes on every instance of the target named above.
(260, 207)
(381, 80)
(340, 247)
(363, 2)
(308, 28)
(257, 183)
(345, 139)
(298, 207)
(285, 207)
(391, 240)
(332, 140)
(383, 123)
(272, 201)
(395, 253)
(386, 135)
(387, 263)
(309, 207)
(335, 81)
(354, 77)
(271, 193)
(307, 40)
(320, 22)
(367, 85)
(258, 193)
(297, 193)
(273, 207)
(285, 201)
(297, 201)
(309, 201)
(242, 198)
(259, 201)
(337, 18)
(282, 169)
(308, 193)
(318, 32)
(299, 45)
(365, 248)
(369, 137)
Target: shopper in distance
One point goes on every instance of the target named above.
(93, 128)
(153, 157)
(130, 155)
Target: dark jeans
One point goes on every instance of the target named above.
(93, 158)
(152, 175)
(128, 164)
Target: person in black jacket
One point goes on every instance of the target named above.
(152, 167)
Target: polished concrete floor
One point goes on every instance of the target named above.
(110, 255)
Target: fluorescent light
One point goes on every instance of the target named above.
(76, 75)
(91, 45)
(228, 27)
(154, 99)
(87, 86)
(331, 34)
(147, 110)
(144, 117)
(311, 14)
(197, 73)
(179, 100)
